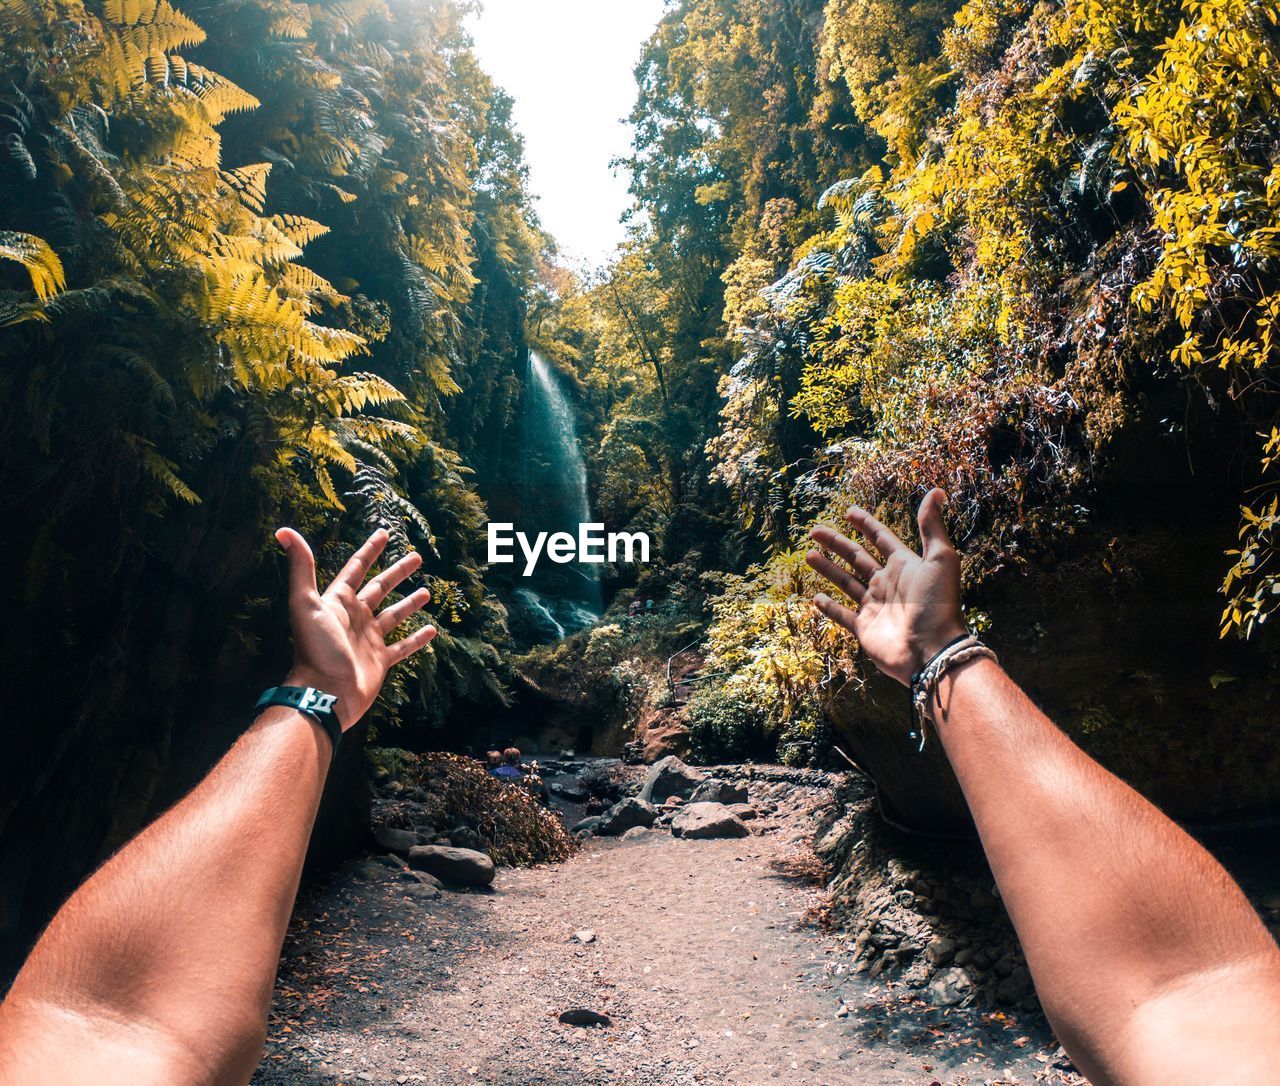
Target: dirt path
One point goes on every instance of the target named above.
(701, 957)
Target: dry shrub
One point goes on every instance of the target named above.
(802, 865)
(516, 829)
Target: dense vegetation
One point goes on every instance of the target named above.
(1023, 251)
(264, 262)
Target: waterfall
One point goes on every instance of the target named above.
(558, 599)
(547, 401)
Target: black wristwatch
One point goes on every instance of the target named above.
(307, 699)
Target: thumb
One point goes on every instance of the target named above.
(302, 565)
(933, 533)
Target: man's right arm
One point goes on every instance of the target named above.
(1148, 959)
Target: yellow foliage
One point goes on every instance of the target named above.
(42, 263)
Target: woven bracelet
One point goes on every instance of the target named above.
(924, 683)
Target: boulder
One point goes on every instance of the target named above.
(703, 820)
(714, 790)
(636, 831)
(624, 815)
(587, 825)
(398, 841)
(461, 866)
(670, 777)
(744, 811)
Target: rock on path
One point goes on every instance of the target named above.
(701, 960)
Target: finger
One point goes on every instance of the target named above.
(415, 642)
(357, 567)
(376, 590)
(933, 532)
(838, 613)
(302, 565)
(885, 541)
(862, 560)
(841, 578)
(390, 618)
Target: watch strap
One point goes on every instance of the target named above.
(321, 707)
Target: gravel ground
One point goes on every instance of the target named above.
(701, 954)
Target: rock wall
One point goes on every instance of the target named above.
(925, 912)
(1115, 637)
(118, 707)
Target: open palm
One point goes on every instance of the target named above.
(908, 606)
(340, 638)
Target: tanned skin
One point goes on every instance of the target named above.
(159, 969)
(1152, 966)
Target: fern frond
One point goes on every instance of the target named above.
(325, 480)
(153, 25)
(161, 469)
(42, 263)
(298, 229)
(293, 24)
(436, 369)
(249, 183)
(360, 390)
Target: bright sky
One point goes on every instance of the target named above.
(568, 65)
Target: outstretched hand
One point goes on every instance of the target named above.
(908, 606)
(340, 638)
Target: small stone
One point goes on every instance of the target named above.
(585, 936)
(421, 891)
(466, 837)
(940, 950)
(635, 832)
(582, 1016)
(980, 899)
(950, 987)
(1015, 987)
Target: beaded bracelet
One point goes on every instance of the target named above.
(924, 683)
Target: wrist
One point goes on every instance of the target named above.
(927, 647)
(303, 676)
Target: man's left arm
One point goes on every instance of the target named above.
(160, 967)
